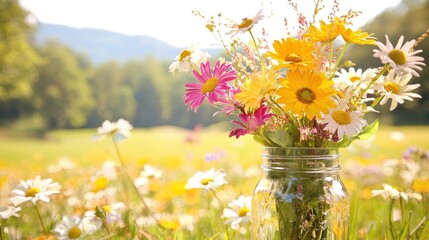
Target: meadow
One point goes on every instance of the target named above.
(90, 177)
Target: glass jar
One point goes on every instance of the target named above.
(300, 196)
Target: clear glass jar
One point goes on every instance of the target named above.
(300, 196)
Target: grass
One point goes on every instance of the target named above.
(180, 153)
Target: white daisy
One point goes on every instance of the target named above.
(75, 227)
(246, 24)
(238, 211)
(34, 190)
(109, 170)
(343, 121)
(64, 164)
(187, 58)
(395, 87)
(119, 130)
(402, 58)
(207, 180)
(388, 192)
(10, 211)
(354, 78)
(150, 172)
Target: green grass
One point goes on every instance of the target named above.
(166, 142)
(165, 148)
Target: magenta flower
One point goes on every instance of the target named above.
(228, 104)
(210, 85)
(251, 122)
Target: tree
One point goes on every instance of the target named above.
(63, 96)
(18, 59)
(114, 99)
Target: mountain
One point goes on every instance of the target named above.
(103, 45)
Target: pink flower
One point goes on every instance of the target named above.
(251, 122)
(228, 104)
(211, 84)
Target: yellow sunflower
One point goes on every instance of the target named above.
(358, 37)
(306, 94)
(293, 54)
(326, 32)
(256, 87)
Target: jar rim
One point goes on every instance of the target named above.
(299, 151)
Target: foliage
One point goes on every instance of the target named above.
(18, 59)
(64, 97)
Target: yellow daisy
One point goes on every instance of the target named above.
(256, 88)
(293, 54)
(326, 32)
(358, 37)
(306, 94)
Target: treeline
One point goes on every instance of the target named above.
(63, 89)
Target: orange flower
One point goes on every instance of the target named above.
(358, 37)
(306, 94)
(293, 54)
(326, 32)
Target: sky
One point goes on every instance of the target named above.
(172, 21)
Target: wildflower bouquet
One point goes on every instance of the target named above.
(298, 90)
(299, 95)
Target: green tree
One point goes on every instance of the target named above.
(18, 59)
(63, 96)
(114, 99)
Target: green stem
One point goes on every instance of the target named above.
(257, 49)
(392, 234)
(1, 232)
(337, 62)
(215, 196)
(379, 74)
(40, 219)
(128, 177)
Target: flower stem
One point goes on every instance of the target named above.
(338, 60)
(215, 196)
(257, 49)
(128, 177)
(392, 234)
(40, 219)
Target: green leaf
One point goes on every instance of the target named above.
(369, 131)
(279, 137)
(345, 142)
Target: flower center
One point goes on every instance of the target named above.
(100, 184)
(32, 192)
(245, 23)
(354, 78)
(74, 233)
(243, 211)
(107, 208)
(391, 87)
(209, 85)
(398, 56)
(184, 54)
(305, 95)
(293, 58)
(341, 117)
(206, 181)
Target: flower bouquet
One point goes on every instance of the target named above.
(299, 92)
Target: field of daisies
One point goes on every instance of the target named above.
(116, 182)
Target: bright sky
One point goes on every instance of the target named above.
(172, 21)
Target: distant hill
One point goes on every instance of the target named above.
(103, 45)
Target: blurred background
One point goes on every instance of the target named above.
(55, 76)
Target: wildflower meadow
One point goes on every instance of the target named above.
(169, 183)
